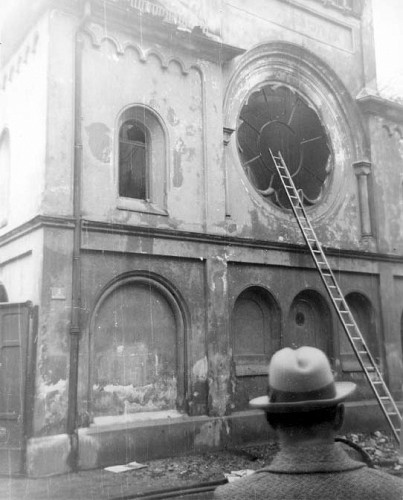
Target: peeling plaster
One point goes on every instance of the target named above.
(219, 380)
(99, 141)
(172, 118)
(48, 455)
(209, 434)
(200, 369)
(178, 152)
(190, 130)
(51, 403)
(114, 399)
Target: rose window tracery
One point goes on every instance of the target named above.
(276, 117)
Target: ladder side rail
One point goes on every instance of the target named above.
(341, 302)
(358, 334)
(376, 372)
(367, 353)
(329, 270)
(299, 205)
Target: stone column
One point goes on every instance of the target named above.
(219, 352)
(362, 171)
(227, 137)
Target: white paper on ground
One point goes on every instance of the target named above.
(117, 469)
(234, 475)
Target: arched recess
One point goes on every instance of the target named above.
(364, 315)
(137, 348)
(255, 324)
(310, 322)
(141, 160)
(285, 65)
(3, 293)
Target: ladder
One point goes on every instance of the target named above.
(367, 362)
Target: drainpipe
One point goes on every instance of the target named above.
(75, 330)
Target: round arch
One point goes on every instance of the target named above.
(364, 315)
(291, 66)
(156, 159)
(255, 323)
(310, 322)
(137, 347)
(256, 335)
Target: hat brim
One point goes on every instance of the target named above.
(343, 390)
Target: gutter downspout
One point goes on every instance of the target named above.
(75, 330)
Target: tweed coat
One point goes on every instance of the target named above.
(323, 472)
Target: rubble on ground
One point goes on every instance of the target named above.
(381, 448)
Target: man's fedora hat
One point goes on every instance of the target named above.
(301, 380)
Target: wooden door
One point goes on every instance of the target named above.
(17, 360)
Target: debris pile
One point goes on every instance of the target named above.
(382, 449)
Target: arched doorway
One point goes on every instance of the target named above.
(309, 323)
(364, 315)
(136, 362)
(256, 336)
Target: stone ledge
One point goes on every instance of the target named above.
(111, 444)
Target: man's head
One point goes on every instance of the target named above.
(302, 392)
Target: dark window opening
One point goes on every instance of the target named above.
(133, 162)
(300, 318)
(277, 118)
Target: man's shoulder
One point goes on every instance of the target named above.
(243, 488)
(379, 476)
(373, 483)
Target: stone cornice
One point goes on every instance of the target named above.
(350, 8)
(377, 105)
(38, 222)
(42, 221)
(224, 240)
(157, 31)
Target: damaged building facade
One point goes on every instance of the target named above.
(149, 262)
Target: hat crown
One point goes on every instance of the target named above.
(301, 380)
(301, 370)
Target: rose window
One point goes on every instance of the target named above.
(278, 118)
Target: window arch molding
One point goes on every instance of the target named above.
(309, 322)
(283, 63)
(257, 302)
(173, 298)
(365, 315)
(151, 195)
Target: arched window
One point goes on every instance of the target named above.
(133, 161)
(4, 176)
(256, 336)
(142, 161)
(309, 323)
(364, 316)
(137, 362)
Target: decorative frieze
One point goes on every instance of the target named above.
(98, 36)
